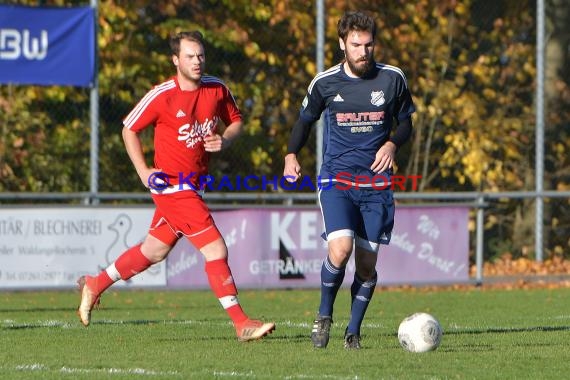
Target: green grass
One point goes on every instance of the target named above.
(488, 334)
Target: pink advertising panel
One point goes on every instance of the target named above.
(283, 248)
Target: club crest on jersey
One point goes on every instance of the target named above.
(377, 98)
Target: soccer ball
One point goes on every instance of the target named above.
(420, 332)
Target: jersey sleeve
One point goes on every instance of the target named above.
(229, 111)
(144, 113)
(313, 103)
(405, 103)
(311, 109)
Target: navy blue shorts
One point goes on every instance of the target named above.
(366, 215)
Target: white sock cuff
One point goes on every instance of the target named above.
(228, 301)
(113, 272)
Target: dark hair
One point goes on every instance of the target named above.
(194, 35)
(356, 20)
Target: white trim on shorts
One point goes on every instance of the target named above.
(367, 245)
(176, 188)
(340, 233)
(178, 233)
(359, 242)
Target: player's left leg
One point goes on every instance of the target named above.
(222, 284)
(377, 221)
(361, 290)
(203, 233)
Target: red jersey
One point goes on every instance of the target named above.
(181, 120)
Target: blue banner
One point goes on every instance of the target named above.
(47, 46)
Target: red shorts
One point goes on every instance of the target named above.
(183, 213)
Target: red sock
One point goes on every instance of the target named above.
(222, 284)
(101, 282)
(132, 262)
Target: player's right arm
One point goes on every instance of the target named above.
(292, 170)
(135, 151)
(313, 105)
(299, 135)
(144, 114)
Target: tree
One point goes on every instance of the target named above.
(470, 65)
(557, 123)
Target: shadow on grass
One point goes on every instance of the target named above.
(496, 330)
(284, 334)
(470, 347)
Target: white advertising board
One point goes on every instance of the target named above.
(53, 247)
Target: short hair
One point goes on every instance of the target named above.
(356, 20)
(194, 35)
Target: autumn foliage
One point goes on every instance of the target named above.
(470, 66)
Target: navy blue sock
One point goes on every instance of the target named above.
(331, 280)
(361, 293)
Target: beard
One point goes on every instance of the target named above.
(191, 75)
(360, 67)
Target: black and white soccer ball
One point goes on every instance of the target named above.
(420, 332)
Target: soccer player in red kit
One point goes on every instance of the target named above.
(185, 111)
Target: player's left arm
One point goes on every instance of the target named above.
(232, 118)
(216, 142)
(386, 155)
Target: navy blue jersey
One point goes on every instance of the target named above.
(358, 115)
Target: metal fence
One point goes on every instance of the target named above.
(478, 202)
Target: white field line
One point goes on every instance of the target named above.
(38, 367)
(251, 375)
(9, 323)
(333, 377)
(309, 324)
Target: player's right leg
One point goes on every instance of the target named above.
(133, 261)
(339, 216)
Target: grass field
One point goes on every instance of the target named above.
(488, 334)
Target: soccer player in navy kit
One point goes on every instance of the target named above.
(361, 101)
